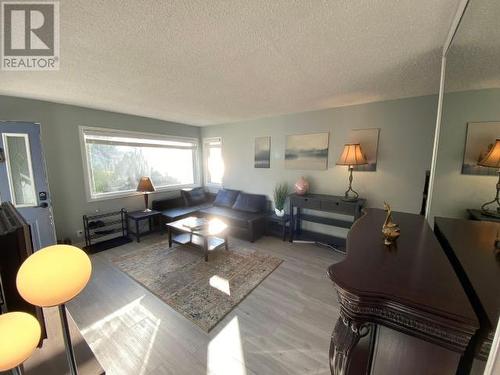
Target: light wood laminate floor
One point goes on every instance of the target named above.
(282, 327)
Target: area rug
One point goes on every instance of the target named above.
(203, 292)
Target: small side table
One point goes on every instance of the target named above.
(283, 221)
(138, 216)
(475, 214)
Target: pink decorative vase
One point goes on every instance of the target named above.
(301, 186)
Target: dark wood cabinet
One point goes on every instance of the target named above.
(409, 290)
(15, 247)
(470, 247)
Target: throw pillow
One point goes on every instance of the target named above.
(226, 197)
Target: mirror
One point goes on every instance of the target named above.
(470, 120)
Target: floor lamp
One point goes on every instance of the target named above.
(51, 277)
(19, 336)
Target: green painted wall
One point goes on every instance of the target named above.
(61, 145)
(405, 150)
(453, 191)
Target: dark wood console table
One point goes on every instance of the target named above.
(325, 203)
(475, 214)
(409, 289)
(470, 246)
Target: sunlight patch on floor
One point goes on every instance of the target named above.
(225, 351)
(140, 325)
(220, 283)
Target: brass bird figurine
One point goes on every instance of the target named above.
(390, 230)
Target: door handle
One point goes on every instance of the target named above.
(43, 205)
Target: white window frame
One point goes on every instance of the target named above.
(9, 172)
(205, 160)
(134, 134)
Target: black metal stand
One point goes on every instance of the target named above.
(18, 370)
(104, 231)
(494, 213)
(347, 196)
(67, 340)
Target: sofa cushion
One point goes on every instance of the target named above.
(193, 197)
(226, 197)
(180, 212)
(250, 203)
(232, 217)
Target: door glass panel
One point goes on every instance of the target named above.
(19, 169)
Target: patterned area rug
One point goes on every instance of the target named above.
(203, 292)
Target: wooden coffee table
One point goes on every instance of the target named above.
(211, 237)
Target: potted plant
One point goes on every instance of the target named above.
(280, 194)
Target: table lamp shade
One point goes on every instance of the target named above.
(352, 155)
(145, 185)
(19, 336)
(492, 158)
(54, 275)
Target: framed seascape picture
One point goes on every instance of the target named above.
(480, 138)
(307, 151)
(368, 139)
(262, 152)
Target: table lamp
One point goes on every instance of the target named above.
(492, 160)
(145, 186)
(53, 276)
(352, 155)
(19, 336)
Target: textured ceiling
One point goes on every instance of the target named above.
(473, 61)
(206, 62)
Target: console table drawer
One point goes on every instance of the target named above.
(306, 202)
(339, 206)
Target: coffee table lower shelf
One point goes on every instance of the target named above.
(208, 238)
(213, 243)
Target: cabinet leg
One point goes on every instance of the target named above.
(169, 237)
(137, 234)
(205, 247)
(345, 336)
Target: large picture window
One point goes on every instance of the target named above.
(116, 160)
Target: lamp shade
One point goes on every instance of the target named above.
(145, 185)
(352, 155)
(492, 158)
(19, 336)
(53, 275)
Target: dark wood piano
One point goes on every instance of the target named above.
(407, 297)
(470, 247)
(15, 247)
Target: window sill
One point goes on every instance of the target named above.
(134, 193)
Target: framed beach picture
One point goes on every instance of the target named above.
(262, 152)
(307, 151)
(481, 137)
(368, 139)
